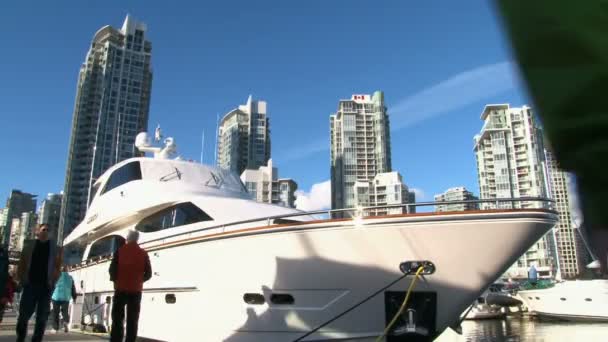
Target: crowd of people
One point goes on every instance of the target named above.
(43, 281)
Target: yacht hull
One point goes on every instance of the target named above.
(327, 267)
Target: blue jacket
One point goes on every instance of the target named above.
(64, 288)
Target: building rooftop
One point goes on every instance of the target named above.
(489, 107)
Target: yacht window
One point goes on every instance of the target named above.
(105, 246)
(125, 174)
(94, 191)
(178, 215)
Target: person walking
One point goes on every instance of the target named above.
(37, 272)
(3, 265)
(7, 295)
(129, 269)
(64, 290)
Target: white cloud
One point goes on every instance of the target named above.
(318, 198)
(420, 195)
(452, 93)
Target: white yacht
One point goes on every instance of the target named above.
(226, 268)
(576, 300)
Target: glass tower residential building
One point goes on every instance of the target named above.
(111, 108)
(360, 146)
(18, 202)
(22, 228)
(511, 164)
(264, 185)
(386, 188)
(244, 137)
(510, 156)
(456, 194)
(570, 248)
(287, 192)
(50, 211)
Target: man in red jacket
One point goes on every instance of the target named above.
(129, 269)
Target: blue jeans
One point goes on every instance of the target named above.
(34, 297)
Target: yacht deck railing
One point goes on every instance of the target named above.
(533, 203)
(500, 204)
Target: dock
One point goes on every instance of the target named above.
(7, 332)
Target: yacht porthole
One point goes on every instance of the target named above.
(170, 298)
(537, 298)
(587, 299)
(282, 299)
(530, 298)
(254, 298)
(562, 299)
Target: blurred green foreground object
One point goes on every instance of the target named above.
(561, 48)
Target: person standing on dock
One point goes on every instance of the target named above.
(129, 269)
(64, 290)
(37, 273)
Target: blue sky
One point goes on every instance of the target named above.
(438, 64)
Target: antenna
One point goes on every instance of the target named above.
(217, 133)
(203, 147)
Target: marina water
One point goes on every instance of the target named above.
(522, 328)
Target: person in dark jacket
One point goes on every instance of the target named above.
(7, 295)
(3, 265)
(129, 269)
(64, 290)
(37, 273)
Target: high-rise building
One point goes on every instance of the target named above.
(456, 194)
(360, 146)
(50, 211)
(22, 229)
(4, 221)
(570, 248)
(18, 203)
(264, 185)
(511, 164)
(244, 137)
(385, 189)
(13, 241)
(287, 192)
(111, 108)
(510, 156)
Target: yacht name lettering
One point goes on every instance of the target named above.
(92, 218)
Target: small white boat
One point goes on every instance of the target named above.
(484, 311)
